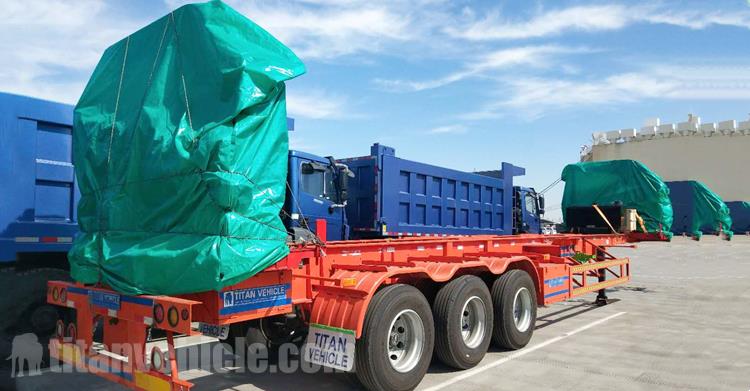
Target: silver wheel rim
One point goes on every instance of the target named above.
(522, 309)
(405, 341)
(473, 322)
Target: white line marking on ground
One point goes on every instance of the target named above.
(519, 353)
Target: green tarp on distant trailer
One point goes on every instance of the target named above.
(626, 181)
(180, 148)
(698, 210)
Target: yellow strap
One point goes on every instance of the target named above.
(596, 207)
(641, 222)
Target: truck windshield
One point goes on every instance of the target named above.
(319, 184)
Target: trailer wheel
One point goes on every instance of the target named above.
(514, 298)
(463, 322)
(397, 340)
(270, 332)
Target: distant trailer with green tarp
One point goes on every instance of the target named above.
(739, 211)
(625, 183)
(180, 148)
(698, 210)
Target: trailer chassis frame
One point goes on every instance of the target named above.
(332, 284)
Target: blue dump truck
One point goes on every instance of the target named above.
(37, 209)
(373, 196)
(381, 195)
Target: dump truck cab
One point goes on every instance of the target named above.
(528, 207)
(318, 190)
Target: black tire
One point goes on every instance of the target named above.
(264, 332)
(24, 307)
(236, 337)
(372, 363)
(254, 337)
(449, 309)
(506, 334)
(249, 337)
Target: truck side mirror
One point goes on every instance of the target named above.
(540, 199)
(343, 184)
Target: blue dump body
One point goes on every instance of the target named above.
(740, 212)
(39, 192)
(390, 196)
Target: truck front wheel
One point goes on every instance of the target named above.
(397, 340)
(463, 322)
(514, 298)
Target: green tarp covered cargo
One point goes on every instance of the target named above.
(180, 148)
(625, 181)
(697, 209)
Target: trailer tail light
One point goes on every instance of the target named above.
(55, 294)
(173, 316)
(63, 295)
(158, 313)
(157, 359)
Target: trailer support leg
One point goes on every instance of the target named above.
(601, 297)
(172, 356)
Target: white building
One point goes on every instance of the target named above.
(717, 154)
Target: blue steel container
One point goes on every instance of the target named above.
(740, 212)
(390, 196)
(39, 192)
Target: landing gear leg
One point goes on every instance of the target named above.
(601, 297)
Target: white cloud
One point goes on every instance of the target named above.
(325, 30)
(532, 97)
(328, 33)
(591, 18)
(449, 129)
(316, 105)
(299, 143)
(527, 56)
(50, 47)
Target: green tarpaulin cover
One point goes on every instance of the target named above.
(698, 210)
(626, 181)
(180, 149)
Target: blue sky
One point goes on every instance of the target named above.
(457, 83)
